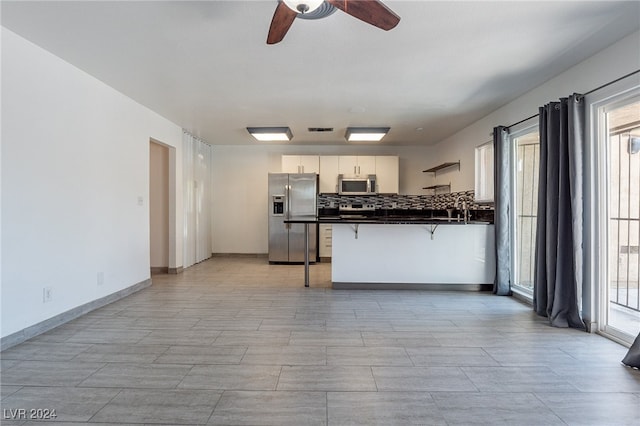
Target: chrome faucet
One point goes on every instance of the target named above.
(465, 207)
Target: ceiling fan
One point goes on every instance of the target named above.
(373, 12)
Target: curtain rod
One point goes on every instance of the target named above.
(588, 93)
(611, 82)
(522, 121)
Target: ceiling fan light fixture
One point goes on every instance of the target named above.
(303, 6)
(366, 134)
(372, 12)
(271, 134)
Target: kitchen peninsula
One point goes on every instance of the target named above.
(408, 252)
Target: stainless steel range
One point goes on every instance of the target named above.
(356, 210)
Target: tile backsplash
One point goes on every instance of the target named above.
(402, 202)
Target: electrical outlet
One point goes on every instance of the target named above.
(47, 294)
(140, 200)
(100, 278)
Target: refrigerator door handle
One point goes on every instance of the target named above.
(287, 191)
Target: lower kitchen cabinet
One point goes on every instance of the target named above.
(325, 243)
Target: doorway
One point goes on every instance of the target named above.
(159, 208)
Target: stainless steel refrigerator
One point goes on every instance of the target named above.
(291, 195)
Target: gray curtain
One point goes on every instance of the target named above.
(632, 359)
(558, 257)
(502, 194)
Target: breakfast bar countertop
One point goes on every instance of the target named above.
(428, 256)
(382, 220)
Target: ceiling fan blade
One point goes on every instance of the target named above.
(282, 20)
(370, 11)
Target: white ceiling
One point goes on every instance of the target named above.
(205, 65)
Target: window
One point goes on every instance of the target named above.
(484, 173)
(526, 153)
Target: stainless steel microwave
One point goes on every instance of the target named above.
(357, 185)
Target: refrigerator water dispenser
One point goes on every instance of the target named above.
(278, 205)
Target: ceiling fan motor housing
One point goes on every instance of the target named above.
(372, 12)
(303, 6)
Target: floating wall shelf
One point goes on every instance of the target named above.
(435, 171)
(442, 166)
(435, 188)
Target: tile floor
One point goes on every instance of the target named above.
(235, 341)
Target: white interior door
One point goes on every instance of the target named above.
(197, 179)
(203, 201)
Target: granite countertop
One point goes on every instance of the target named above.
(382, 220)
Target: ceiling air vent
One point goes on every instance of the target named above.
(320, 129)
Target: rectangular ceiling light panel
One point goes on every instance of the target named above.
(366, 134)
(271, 134)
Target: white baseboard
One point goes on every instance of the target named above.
(53, 322)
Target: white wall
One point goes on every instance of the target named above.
(75, 160)
(240, 187)
(609, 64)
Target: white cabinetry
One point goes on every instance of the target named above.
(387, 173)
(329, 172)
(357, 165)
(325, 242)
(385, 167)
(300, 164)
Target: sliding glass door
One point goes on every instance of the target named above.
(526, 154)
(619, 133)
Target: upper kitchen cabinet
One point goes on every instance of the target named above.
(387, 173)
(385, 167)
(357, 165)
(300, 164)
(329, 172)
